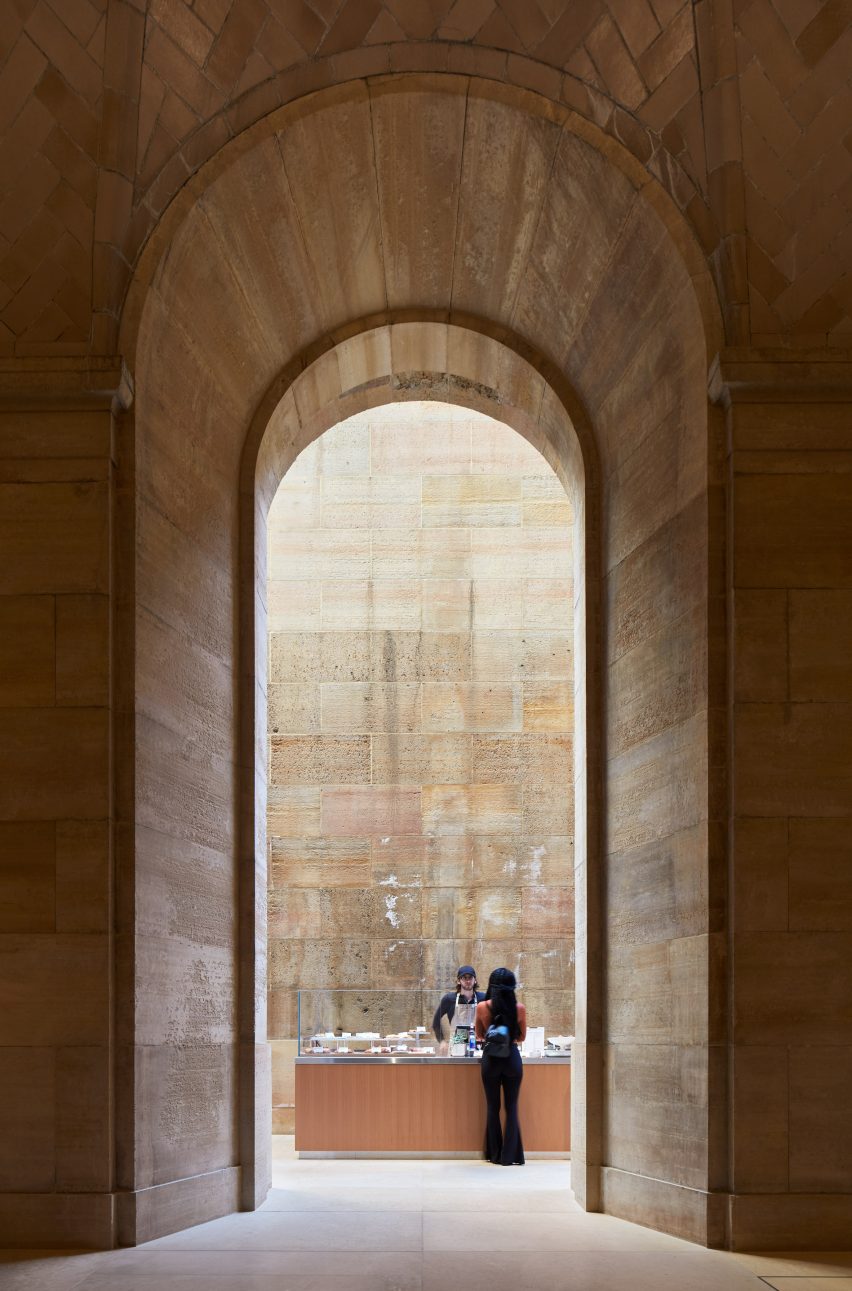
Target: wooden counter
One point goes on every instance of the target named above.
(438, 1105)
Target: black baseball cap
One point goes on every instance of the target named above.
(466, 968)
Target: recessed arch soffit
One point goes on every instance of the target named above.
(436, 197)
(165, 164)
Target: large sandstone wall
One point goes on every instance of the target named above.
(420, 716)
(56, 491)
(791, 718)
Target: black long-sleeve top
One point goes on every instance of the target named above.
(447, 1008)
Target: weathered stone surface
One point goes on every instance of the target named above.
(396, 964)
(658, 787)
(421, 759)
(658, 889)
(315, 657)
(658, 582)
(397, 449)
(420, 656)
(471, 707)
(542, 762)
(663, 1122)
(319, 759)
(547, 706)
(188, 1089)
(321, 554)
(293, 605)
(294, 811)
(659, 683)
(370, 706)
(421, 553)
(655, 989)
(478, 914)
(293, 708)
(471, 809)
(319, 863)
(548, 604)
(370, 810)
(530, 553)
(503, 656)
(308, 964)
(384, 604)
(447, 604)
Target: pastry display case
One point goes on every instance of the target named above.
(374, 1025)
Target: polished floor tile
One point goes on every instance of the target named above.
(581, 1271)
(306, 1230)
(420, 1226)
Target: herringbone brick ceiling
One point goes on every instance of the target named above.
(98, 96)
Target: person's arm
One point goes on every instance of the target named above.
(481, 1021)
(522, 1023)
(444, 1009)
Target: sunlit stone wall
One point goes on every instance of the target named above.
(420, 719)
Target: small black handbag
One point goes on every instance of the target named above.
(497, 1042)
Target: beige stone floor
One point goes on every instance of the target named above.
(420, 1226)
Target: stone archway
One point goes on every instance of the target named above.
(374, 367)
(316, 270)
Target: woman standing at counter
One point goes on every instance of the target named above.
(457, 1007)
(500, 1007)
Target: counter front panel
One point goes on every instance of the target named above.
(421, 1105)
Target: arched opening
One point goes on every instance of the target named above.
(286, 301)
(420, 718)
(483, 376)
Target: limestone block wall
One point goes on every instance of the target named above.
(791, 903)
(420, 717)
(55, 826)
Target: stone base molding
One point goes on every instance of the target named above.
(692, 1213)
(790, 1222)
(57, 1221)
(170, 1207)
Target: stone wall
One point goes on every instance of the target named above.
(420, 716)
(791, 834)
(55, 824)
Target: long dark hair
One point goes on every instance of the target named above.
(501, 993)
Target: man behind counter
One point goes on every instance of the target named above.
(457, 1007)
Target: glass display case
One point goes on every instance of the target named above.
(363, 1024)
(367, 1023)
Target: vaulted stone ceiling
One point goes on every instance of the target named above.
(107, 106)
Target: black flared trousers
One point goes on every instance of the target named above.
(506, 1074)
